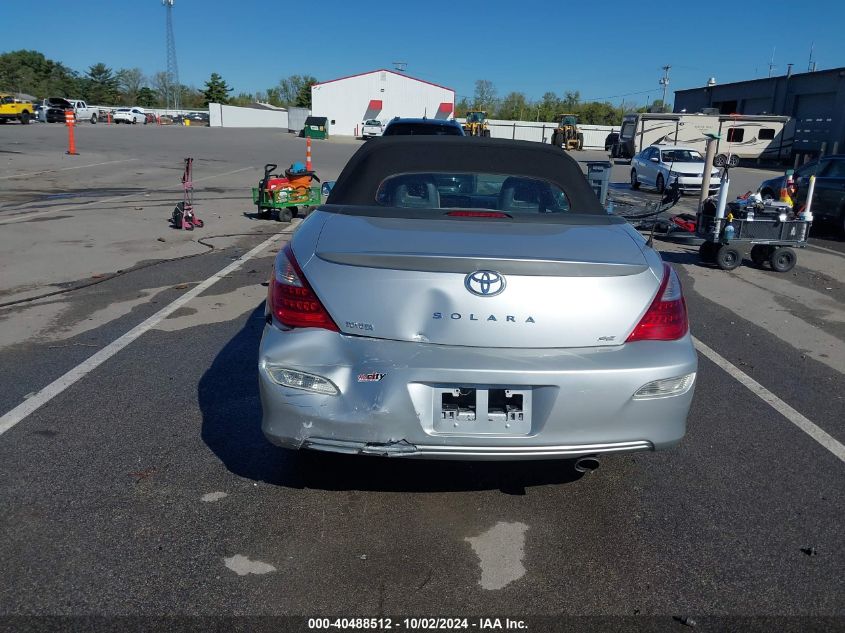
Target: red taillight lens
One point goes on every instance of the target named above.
(666, 317)
(477, 214)
(292, 300)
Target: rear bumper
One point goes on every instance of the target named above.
(694, 184)
(581, 399)
(433, 451)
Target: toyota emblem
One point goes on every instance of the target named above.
(485, 283)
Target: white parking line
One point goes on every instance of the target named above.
(47, 171)
(24, 217)
(56, 387)
(815, 432)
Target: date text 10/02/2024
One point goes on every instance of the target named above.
(417, 624)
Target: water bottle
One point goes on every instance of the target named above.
(729, 232)
(749, 217)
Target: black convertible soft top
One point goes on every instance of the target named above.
(383, 157)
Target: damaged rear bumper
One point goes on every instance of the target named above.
(404, 449)
(563, 403)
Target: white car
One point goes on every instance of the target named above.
(371, 128)
(659, 166)
(130, 115)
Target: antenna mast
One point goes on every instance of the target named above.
(173, 87)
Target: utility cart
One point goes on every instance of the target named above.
(772, 234)
(282, 197)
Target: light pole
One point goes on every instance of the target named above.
(664, 81)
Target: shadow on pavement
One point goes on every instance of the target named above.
(231, 428)
(682, 257)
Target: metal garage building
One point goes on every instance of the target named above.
(378, 94)
(816, 100)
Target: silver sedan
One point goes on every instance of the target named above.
(470, 299)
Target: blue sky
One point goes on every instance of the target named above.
(602, 49)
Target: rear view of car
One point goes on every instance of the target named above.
(371, 129)
(471, 299)
(423, 127)
(130, 115)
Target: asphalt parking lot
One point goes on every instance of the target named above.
(134, 479)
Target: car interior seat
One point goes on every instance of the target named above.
(414, 191)
(525, 195)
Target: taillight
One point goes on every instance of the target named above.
(292, 300)
(477, 214)
(666, 317)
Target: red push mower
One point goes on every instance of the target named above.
(183, 214)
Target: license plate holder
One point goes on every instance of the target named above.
(472, 410)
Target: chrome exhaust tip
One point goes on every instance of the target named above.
(587, 464)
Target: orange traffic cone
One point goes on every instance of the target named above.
(308, 165)
(787, 189)
(71, 140)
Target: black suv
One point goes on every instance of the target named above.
(427, 127)
(829, 196)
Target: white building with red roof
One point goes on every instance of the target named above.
(379, 94)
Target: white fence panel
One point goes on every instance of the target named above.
(234, 116)
(541, 131)
(215, 118)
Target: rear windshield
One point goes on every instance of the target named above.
(426, 129)
(514, 195)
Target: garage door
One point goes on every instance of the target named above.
(813, 120)
(759, 105)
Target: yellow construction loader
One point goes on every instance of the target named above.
(567, 135)
(476, 124)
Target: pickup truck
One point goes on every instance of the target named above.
(371, 128)
(83, 112)
(12, 109)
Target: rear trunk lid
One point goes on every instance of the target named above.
(424, 280)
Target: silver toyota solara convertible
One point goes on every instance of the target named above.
(469, 298)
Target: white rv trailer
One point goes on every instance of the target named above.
(742, 135)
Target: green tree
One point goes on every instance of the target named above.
(192, 99)
(485, 95)
(595, 113)
(31, 73)
(549, 107)
(147, 97)
(570, 101)
(160, 83)
(462, 107)
(303, 97)
(216, 90)
(290, 90)
(100, 85)
(273, 96)
(243, 99)
(514, 107)
(129, 82)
